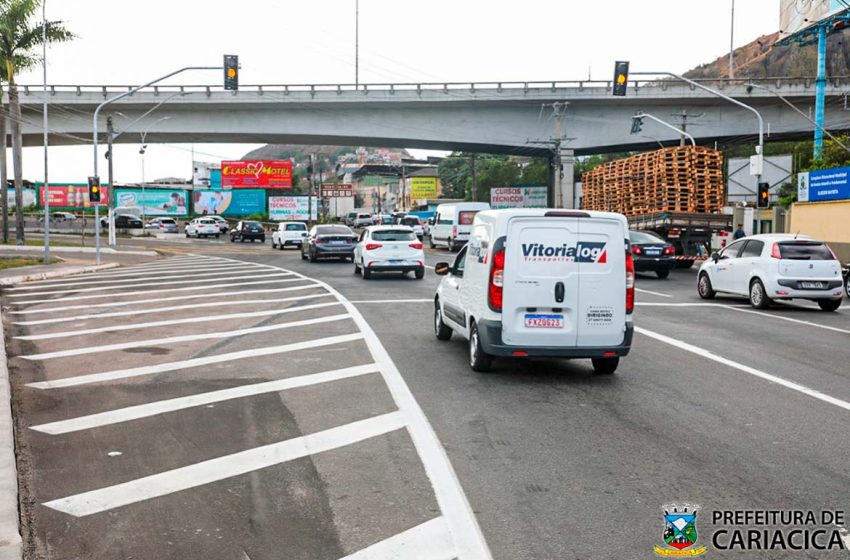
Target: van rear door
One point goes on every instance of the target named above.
(541, 282)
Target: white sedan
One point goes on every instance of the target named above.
(389, 249)
(772, 267)
(203, 227)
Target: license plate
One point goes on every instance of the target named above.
(337, 243)
(653, 252)
(544, 321)
(815, 285)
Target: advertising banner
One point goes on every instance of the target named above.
(28, 196)
(229, 203)
(337, 191)
(154, 202)
(824, 184)
(270, 174)
(423, 187)
(519, 196)
(70, 197)
(795, 15)
(292, 208)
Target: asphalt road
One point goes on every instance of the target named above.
(150, 435)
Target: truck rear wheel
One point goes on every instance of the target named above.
(605, 366)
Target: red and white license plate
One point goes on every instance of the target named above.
(544, 321)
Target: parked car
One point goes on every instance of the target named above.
(59, 217)
(772, 267)
(289, 233)
(202, 227)
(453, 224)
(391, 248)
(540, 283)
(363, 220)
(329, 242)
(652, 254)
(223, 225)
(248, 229)
(163, 225)
(415, 223)
(123, 221)
(349, 218)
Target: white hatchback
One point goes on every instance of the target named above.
(771, 267)
(289, 233)
(389, 249)
(203, 227)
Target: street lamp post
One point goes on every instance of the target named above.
(45, 190)
(142, 150)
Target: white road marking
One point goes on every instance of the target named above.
(132, 271)
(392, 301)
(192, 363)
(228, 466)
(172, 309)
(172, 322)
(789, 319)
(197, 282)
(181, 338)
(198, 286)
(200, 274)
(659, 294)
(430, 541)
(746, 369)
(224, 297)
(170, 405)
(466, 533)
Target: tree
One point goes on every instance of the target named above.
(19, 38)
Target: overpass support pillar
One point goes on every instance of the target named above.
(564, 180)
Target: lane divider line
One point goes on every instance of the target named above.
(155, 408)
(746, 369)
(659, 294)
(392, 301)
(228, 466)
(193, 362)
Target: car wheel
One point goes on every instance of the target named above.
(356, 268)
(829, 304)
(443, 331)
(281, 246)
(758, 295)
(217, 235)
(420, 273)
(366, 273)
(704, 287)
(303, 256)
(262, 240)
(313, 257)
(662, 274)
(478, 359)
(847, 286)
(605, 366)
(431, 242)
(274, 246)
(187, 234)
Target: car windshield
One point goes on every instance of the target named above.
(805, 251)
(296, 227)
(333, 230)
(644, 237)
(393, 235)
(167, 221)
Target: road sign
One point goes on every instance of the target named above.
(337, 191)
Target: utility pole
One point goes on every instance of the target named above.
(732, 44)
(684, 123)
(310, 190)
(44, 101)
(474, 179)
(110, 136)
(559, 108)
(356, 44)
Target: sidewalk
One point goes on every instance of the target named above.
(70, 264)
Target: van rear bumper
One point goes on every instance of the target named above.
(490, 335)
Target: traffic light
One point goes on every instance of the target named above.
(231, 72)
(621, 78)
(94, 190)
(637, 124)
(763, 196)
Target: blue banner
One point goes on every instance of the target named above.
(246, 201)
(824, 184)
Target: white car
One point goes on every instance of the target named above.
(389, 249)
(289, 233)
(453, 223)
(413, 222)
(223, 225)
(771, 267)
(363, 220)
(203, 227)
(540, 283)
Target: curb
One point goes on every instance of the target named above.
(104, 250)
(10, 280)
(11, 545)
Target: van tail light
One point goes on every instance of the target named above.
(416, 245)
(630, 283)
(497, 280)
(373, 246)
(669, 250)
(454, 232)
(774, 251)
(637, 250)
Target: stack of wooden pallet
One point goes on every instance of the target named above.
(680, 179)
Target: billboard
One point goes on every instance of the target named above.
(795, 15)
(70, 196)
(519, 196)
(741, 186)
(824, 184)
(423, 187)
(229, 203)
(269, 174)
(292, 208)
(154, 202)
(341, 190)
(28, 196)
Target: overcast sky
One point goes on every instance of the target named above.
(312, 41)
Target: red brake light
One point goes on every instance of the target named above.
(637, 250)
(774, 251)
(373, 246)
(454, 231)
(497, 277)
(416, 245)
(669, 250)
(630, 283)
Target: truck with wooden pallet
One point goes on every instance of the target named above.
(690, 233)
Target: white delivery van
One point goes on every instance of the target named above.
(540, 282)
(453, 222)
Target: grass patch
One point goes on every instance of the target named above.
(40, 243)
(15, 262)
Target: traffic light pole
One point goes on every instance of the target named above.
(664, 123)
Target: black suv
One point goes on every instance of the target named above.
(248, 229)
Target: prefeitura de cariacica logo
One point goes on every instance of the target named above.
(680, 531)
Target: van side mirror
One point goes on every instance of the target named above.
(442, 268)
(715, 257)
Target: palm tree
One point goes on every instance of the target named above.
(19, 37)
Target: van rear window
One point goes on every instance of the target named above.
(805, 251)
(466, 218)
